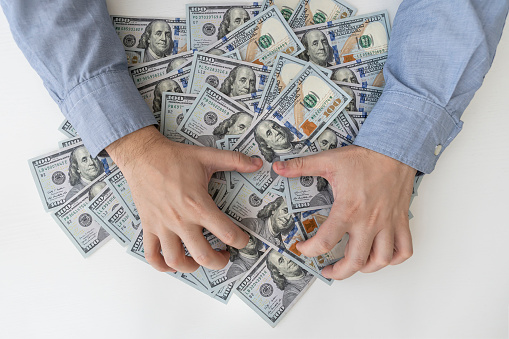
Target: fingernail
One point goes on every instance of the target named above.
(256, 161)
(280, 165)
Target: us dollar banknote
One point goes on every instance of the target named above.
(231, 77)
(363, 98)
(295, 119)
(152, 91)
(118, 185)
(286, 7)
(69, 142)
(80, 227)
(106, 209)
(67, 129)
(134, 56)
(260, 39)
(158, 37)
(314, 12)
(273, 285)
(60, 174)
(345, 40)
(358, 118)
(366, 72)
(212, 116)
(207, 23)
(172, 114)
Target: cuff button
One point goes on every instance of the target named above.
(438, 149)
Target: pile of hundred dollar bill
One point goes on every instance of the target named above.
(273, 80)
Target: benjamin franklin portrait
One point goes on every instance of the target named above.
(345, 75)
(83, 169)
(318, 50)
(240, 81)
(236, 124)
(243, 259)
(275, 141)
(327, 140)
(324, 197)
(233, 18)
(272, 222)
(287, 275)
(175, 64)
(167, 85)
(352, 106)
(216, 51)
(156, 40)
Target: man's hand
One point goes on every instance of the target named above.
(169, 183)
(371, 200)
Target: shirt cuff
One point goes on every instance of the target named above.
(410, 129)
(105, 108)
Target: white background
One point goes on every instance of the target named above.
(455, 285)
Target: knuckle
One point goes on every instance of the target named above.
(407, 253)
(194, 205)
(357, 263)
(236, 157)
(204, 259)
(297, 163)
(173, 262)
(383, 261)
(324, 245)
(229, 237)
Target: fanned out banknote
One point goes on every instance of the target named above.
(118, 185)
(363, 98)
(232, 77)
(345, 40)
(67, 129)
(314, 12)
(172, 114)
(158, 37)
(207, 23)
(291, 123)
(212, 116)
(260, 39)
(273, 285)
(134, 56)
(358, 118)
(286, 7)
(366, 72)
(77, 223)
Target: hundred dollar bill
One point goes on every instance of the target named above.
(118, 185)
(285, 68)
(291, 124)
(135, 56)
(345, 40)
(158, 37)
(156, 69)
(417, 183)
(273, 285)
(212, 116)
(61, 174)
(225, 293)
(172, 114)
(313, 12)
(152, 91)
(287, 7)
(363, 98)
(73, 218)
(260, 39)
(231, 77)
(366, 72)
(106, 209)
(67, 129)
(69, 142)
(249, 101)
(207, 23)
(358, 118)
(310, 222)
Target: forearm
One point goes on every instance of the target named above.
(439, 53)
(73, 47)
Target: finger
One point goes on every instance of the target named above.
(202, 252)
(304, 166)
(173, 253)
(403, 248)
(355, 258)
(381, 252)
(327, 236)
(152, 249)
(230, 161)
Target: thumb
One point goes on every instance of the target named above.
(232, 161)
(313, 165)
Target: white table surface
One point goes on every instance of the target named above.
(455, 285)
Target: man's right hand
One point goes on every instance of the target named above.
(169, 184)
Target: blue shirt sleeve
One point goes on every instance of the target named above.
(74, 48)
(439, 53)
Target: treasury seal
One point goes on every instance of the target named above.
(180, 117)
(266, 290)
(306, 181)
(212, 80)
(85, 220)
(208, 29)
(254, 200)
(210, 118)
(129, 40)
(58, 178)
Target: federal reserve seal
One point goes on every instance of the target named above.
(180, 117)
(266, 290)
(85, 220)
(208, 29)
(129, 40)
(212, 80)
(210, 118)
(306, 181)
(58, 178)
(254, 200)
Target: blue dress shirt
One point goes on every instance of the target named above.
(439, 53)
